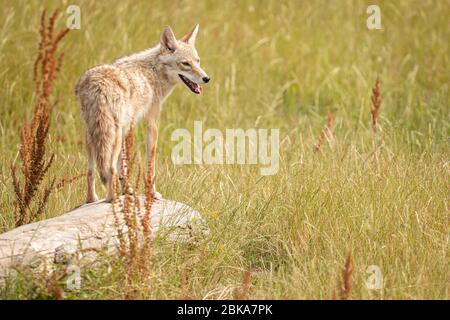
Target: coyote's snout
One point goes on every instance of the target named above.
(113, 97)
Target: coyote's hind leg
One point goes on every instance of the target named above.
(91, 194)
(113, 172)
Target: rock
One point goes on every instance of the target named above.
(91, 228)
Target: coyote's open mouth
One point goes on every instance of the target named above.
(195, 88)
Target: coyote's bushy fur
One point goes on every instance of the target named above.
(113, 97)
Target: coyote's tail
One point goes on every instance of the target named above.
(102, 132)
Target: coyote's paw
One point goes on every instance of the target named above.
(157, 195)
(92, 198)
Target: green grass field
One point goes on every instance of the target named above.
(273, 65)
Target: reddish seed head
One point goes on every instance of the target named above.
(376, 104)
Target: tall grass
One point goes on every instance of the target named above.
(135, 211)
(346, 281)
(375, 98)
(30, 197)
(326, 134)
(273, 65)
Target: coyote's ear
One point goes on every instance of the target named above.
(190, 37)
(168, 40)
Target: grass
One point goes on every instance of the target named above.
(272, 65)
(33, 138)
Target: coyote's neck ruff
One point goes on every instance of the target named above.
(115, 96)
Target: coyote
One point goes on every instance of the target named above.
(113, 97)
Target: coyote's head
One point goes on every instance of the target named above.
(181, 61)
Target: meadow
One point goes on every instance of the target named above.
(384, 198)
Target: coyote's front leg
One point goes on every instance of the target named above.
(91, 194)
(152, 140)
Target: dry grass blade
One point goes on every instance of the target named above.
(346, 281)
(185, 286)
(325, 134)
(243, 292)
(376, 104)
(31, 197)
(134, 244)
(68, 180)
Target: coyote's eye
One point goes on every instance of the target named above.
(186, 64)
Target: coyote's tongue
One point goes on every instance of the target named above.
(195, 88)
(198, 89)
